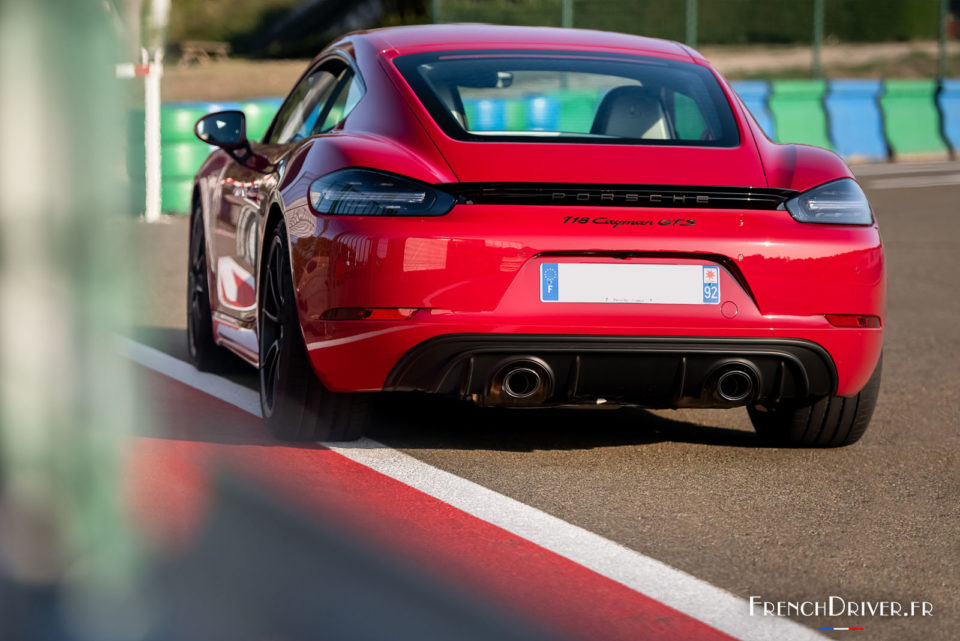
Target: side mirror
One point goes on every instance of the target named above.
(225, 129)
(228, 130)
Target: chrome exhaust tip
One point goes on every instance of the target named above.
(734, 385)
(522, 382)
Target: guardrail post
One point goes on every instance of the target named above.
(817, 66)
(942, 41)
(159, 12)
(151, 136)
(691, 38)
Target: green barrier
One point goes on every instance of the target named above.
(182, 159)
(690, 123)
(911, 121)
(176, 122)
(798, 113)
(259, 114)
(516, 115)
(181, 152)
(175, 195)
(470, 113)
(577, 109)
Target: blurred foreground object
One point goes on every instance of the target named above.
(66, 560)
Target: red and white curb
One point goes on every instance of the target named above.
(671, 587)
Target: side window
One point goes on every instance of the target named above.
(317, 104)
(302, 109)
(342, 104)
(346, 98)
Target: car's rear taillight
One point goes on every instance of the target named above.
(839, 202)
(365, 192)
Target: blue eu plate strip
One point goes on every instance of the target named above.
(549, 282)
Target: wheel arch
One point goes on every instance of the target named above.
(274, 217)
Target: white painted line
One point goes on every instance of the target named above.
(237, 395)
(936, 180)
(679, 590)
(886, 169)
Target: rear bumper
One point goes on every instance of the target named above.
(477, 270)
(380, 355)
(645, 371)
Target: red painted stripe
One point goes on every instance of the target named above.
(168, 477)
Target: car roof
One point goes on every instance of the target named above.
(466, 36)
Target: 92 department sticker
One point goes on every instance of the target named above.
(711, 284)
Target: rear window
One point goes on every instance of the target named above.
(571, 97)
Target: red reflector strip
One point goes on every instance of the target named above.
(853, 320)
(369, 313)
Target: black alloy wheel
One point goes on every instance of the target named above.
(295, 404)
(272, 325)
(206, 355)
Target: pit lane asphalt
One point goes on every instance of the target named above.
(877, 521)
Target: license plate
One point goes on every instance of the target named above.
(620, 283)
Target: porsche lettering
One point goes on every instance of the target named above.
(632, 198)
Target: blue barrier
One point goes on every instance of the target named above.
(856, 126)
(949, 100)
(543, 114)
(486, 115)
(754, 94)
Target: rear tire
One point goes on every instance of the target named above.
(830, 421)
(206, 355)
(295, 404)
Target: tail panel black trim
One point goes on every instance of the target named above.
(616, 195)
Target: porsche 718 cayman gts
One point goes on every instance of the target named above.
(533, 217)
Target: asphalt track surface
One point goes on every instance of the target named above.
(692, 490)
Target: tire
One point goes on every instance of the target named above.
(830, 421)
(206, 355)
(295, 404)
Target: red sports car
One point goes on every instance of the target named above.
(533, 217)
